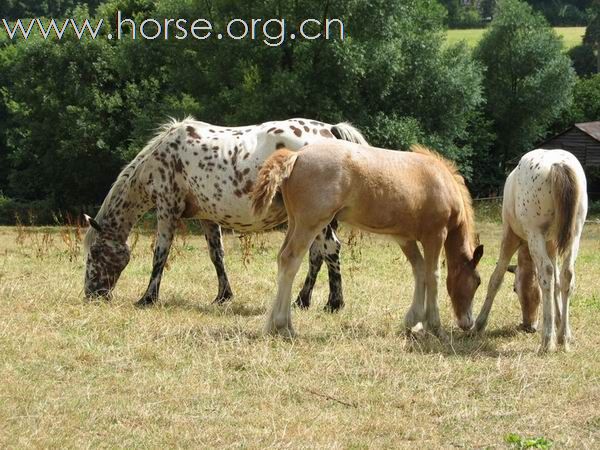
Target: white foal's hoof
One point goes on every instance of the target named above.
(548, 344)
(565, 341)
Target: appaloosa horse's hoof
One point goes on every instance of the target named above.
(221, 299)
(331, 307)
(145, 302)
(303, 301)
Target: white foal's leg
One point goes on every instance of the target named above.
(552, 253)
(295, 246)
(567, 285)
(545, 268)
(510, 244)
(416, 313)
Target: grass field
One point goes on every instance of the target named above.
(190, 374)
(572, 36)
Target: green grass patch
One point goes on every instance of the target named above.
(190, 374)
(572, 36)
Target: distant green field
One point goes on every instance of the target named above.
(572, 36)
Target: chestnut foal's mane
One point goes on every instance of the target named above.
(468, 216)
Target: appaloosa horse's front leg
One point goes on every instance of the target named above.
(326, 247)
(164, 238)
(214, 239)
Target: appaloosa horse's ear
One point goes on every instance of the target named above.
(477, 254)
(512, 268)
(92, 223)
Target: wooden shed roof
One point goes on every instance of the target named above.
(592, 129)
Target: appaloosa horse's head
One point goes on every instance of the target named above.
(105, 259)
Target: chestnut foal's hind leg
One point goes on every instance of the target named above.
(212, 233)
(296, 244)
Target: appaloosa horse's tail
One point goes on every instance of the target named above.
(565, 190)
(347, 132)
(274, 171)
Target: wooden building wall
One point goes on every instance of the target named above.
(583, 146)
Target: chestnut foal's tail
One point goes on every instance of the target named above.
(566, 198)
(273, 173)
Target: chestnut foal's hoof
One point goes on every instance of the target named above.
(525, 328)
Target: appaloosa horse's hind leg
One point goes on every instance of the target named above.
(212, 233)
(164, 238)
(326, 247)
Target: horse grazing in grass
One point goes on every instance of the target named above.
(412, 196)
(544, 209)
(194, 169)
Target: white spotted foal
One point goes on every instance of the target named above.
(544, 208)
(194, 169)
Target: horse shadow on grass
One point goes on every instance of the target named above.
(231, 308)
(464, 344)
(455, 343)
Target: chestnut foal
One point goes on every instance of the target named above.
(413, 196)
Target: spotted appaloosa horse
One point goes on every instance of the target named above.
(412, 196)
(544, 209)
(194, 169)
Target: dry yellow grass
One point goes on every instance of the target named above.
(189, 374)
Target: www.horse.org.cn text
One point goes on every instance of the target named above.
(272, 32)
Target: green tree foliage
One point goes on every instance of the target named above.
(586, 101)
(15, 9)
(562, 12)
(584, 60)
(528, 81)
(77, 110)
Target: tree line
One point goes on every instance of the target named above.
(72, 112)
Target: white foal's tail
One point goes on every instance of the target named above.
(567, 196)
(274, 171)
(347, 132)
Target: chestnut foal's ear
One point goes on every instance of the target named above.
(92, 223)
(477, 254)
(512, 268)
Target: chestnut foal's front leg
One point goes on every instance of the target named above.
(416, 313)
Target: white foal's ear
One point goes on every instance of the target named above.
(512, 268)
(92, 223)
